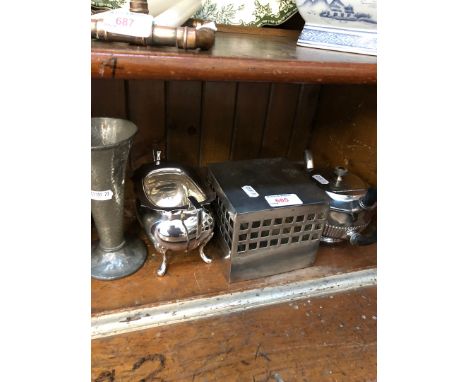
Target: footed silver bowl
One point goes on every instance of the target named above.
(171, 207)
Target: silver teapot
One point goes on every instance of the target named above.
(352, 204)
(172, 209)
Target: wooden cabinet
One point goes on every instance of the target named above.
(254, 95)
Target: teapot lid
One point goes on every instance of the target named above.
(340, 181)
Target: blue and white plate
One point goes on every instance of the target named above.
(344, 25)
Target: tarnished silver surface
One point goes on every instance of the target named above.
(348, 216)
(172, 214)
(114, 256)
(118, 263)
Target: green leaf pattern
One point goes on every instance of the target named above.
(262, 13)
(222, 15)
(108, 4)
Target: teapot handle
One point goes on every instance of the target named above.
(370, 199)
(194, 202)
(359, 239)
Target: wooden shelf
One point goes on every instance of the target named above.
(330, 338)
(140, 329)
(239, 54)
(188, 277)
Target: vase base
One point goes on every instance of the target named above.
(112, 265)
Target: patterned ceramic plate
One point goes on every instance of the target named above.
(344, 25)
(247, 12)
(234, 12)
(104, 5)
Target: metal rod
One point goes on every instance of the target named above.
(139, 6)
(181, 37)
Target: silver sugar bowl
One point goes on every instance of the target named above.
(172, 206)
(352, 204)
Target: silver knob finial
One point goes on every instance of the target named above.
(157, 157)
(340, 172)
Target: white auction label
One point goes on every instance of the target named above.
(249, 190)
(128, 23)
(101, 195)
(283, 200)
(320, 178)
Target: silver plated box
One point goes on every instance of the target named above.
(269, 216)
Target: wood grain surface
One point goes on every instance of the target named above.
(303, 121)
(210, 118)
(202, 122)
(147, 109)
(344, 132)
(281, 113)
(251, 112)
(326, 339)
(219, 108)
(183, 105)
(206, 122)
(268, 55)
(108, 99)
(189, 277)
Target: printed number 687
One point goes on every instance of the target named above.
(123, 21)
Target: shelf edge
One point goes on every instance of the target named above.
(126, 66)
(193, 309)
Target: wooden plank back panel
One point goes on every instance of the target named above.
(146, 108)
(252, 107)
(183, 111)
(108, 98)
(219, 104)
(279, 120)
(345, 131)
(305, 114)
(199, 123)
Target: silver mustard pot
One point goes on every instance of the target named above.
(172, 208)
(352, 204)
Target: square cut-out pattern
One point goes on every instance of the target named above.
(269, 232)
(225, 223)
(262, 234)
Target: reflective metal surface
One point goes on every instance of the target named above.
(180, 37)
(170, 209)
(258, 239)
(351, 208)
(170, 188)
(114, 256)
